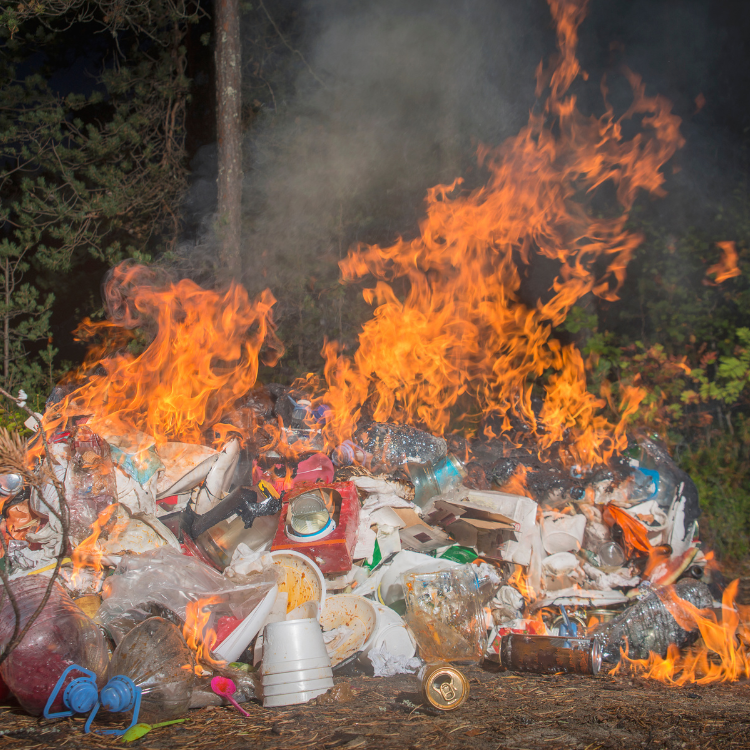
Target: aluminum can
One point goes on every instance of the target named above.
(444, 687)
(548, 654)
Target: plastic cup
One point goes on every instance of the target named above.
(281, 678)
(293, 644)
(298, 686)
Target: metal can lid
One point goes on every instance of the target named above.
(444, 687)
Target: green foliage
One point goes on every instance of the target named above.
(94, 175)
(720, 468)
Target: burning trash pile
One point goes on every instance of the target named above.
(176, 534)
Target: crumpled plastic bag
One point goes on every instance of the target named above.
(386, 664)
(165, 581)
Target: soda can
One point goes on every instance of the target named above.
(444, 687)
(549, 654)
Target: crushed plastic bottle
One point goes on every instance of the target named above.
(388, 446)
(649, 624)
(91, 486)
(61, 636)
(155, 657)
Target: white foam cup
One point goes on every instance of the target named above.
(300, 686)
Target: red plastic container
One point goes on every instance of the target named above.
(332, 553)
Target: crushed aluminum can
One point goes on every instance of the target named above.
(444, 687)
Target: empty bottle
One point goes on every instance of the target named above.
(648, 624)
(91, 485)
(389, 446)
(62, 635)
(153, 658)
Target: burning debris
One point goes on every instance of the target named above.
(210, 524)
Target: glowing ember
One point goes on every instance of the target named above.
(462, 327)
(721, 655)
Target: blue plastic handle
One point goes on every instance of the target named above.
(90, 678)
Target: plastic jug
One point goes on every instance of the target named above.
(60, 637)
(153, 661)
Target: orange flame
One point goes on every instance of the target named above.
(463, 327)
(198, 633)
(520, 581)
(203, 356)
(727, 267)
(516, 485)
(87, 554)
(721, 655)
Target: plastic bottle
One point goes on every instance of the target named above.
(92, 485)
(156, 659)
(61, 636)
(389, 446)
(648, 625)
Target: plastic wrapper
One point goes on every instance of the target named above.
(653, 623)
(164, 582)
(443, 610)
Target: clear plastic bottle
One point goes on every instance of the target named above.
(648, 624)
(156, 658)
(62, 635)
(91, 486)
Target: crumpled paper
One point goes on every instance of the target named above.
(386, 664)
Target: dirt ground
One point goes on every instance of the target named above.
(504, 710)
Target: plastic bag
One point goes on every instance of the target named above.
(163, 582)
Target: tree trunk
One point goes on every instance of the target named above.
(228, 129)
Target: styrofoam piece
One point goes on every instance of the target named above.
(239, 639)
(291, 699)
(391, 632)
(303, 579)
(301, 674)
(357, 616)
(562, 533)
(298, 686)
(296, 665)
(305, 611)
(292, 642)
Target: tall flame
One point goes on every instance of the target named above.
(197, 631)
(462, 327)
(203, 356)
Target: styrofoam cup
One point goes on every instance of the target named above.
(295, 665)
(300, 686)
(291, 699)
(301, 674)
(286, 644)
(237, 641)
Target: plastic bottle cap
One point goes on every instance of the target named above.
(81, 695)
(118, 694)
